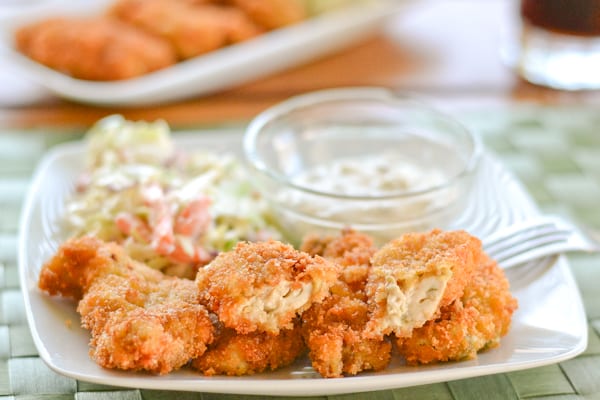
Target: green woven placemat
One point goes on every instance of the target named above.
(554, 151)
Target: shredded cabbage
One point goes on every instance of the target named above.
(169, 209)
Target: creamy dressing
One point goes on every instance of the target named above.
(371, 175)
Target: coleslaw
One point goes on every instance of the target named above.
(170, 209)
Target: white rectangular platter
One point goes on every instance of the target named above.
(232, 65)
(550, 325)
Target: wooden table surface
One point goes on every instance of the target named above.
(446, 51)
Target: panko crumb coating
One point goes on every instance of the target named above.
(263, 286)
(236, 354)
(413, 276)
(273, 14)
(95, 48)
(351, 250)
(474, 322)
(334, 334)
(192, 30)
(139, 319)
(334, 329)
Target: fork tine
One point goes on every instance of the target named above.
(538, 253)
(520, 239)
(531, 244)
(516, 229)
(550, 235)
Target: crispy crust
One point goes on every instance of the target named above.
(416, 274)
(273, 14)
(334, 334)
(139, 319)
(94, 48)
(191, 29)
(271, 302)
(474, 322)
(264, 286)
(334, 329)
(237, 354)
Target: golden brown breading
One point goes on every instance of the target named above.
(437, 292)
(94, 48)
(139, 319)
(334, 329)
(78, 263)
(351, 250)
(475, 321)
(263, 286)
(202, 2)
(245, 354)
(334, 334)
(315, 244)
(191, 29)
(273, 14)
(416, 274)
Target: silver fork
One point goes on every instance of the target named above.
(537, 238)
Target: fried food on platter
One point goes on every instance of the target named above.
(273, 14)
(334, 334)
(78, 263)
(413, 276)
(334, 329)
(262, 286)
(351, 248)
(270, 14)
(237, 354)
(94, 48)
(191, 29)
(476, 321)
(315, 244)
(352, 251)
(139, 318)
(161, 333)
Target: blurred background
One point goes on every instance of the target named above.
(446, 51)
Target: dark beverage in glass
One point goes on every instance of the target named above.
(571, 17)
(559, 43)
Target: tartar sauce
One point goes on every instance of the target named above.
(367, 180)
(370, 175)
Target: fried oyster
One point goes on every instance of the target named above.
(263, 286)
(413, 276)
(334, 330)
(474, 322)
(139, 318)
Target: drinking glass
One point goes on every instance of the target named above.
(559, 43)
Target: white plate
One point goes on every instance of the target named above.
(549, 326)
(220, 69)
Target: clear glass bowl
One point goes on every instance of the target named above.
(367, 158)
